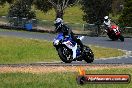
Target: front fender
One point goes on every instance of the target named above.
(60, 46)
(56, 46)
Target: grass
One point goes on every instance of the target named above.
(102, 52)
(74, 15)
(19, 50)
(58, 80)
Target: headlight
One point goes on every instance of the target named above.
(56, 42)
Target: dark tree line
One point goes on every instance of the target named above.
(4, 1)
(117, 7)
(95, 10)
(21, 9)
(126, 16)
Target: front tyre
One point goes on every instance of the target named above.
(88, 55)
(65, 54)
(121, 38)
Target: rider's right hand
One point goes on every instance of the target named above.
(106, 31)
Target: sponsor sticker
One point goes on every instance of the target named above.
(102, 78)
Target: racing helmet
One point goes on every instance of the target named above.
(58, 23)
(106, 18)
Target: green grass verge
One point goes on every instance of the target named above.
(102, 52)
(57, 80)
(19, 50)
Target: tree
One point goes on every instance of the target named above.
(4, 1)
(117, 7)
(95, 10)
(58, 5)
(126, 17)
(21, 9)
(42, 5)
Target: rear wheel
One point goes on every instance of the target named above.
(88, 55)
(121, 38)
(65, 54)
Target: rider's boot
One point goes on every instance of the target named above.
(82, 46)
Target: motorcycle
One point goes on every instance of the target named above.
(69, 51)
(114, 33)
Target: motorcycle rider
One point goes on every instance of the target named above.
(107, 23)
(61, 27)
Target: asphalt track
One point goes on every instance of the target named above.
(98, 41)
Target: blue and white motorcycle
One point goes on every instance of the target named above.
(69, 51)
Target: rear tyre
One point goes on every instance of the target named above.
(65, 54)
(121, 38)
(88, 55)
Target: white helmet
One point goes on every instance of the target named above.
(106, 17)
(58, 23)
(58, 20)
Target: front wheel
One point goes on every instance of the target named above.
(65, 54)
(88, 55)
(121, 38)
